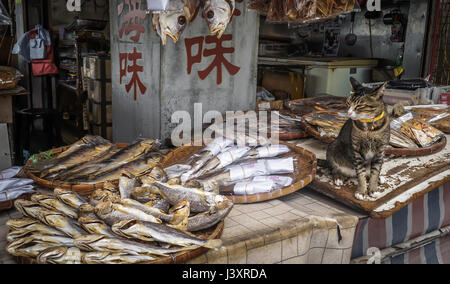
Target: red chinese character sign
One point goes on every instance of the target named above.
(132, 16)
(211, 46)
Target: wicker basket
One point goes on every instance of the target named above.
(82, 189)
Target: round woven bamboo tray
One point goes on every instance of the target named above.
(436, 147)
(214, 232)
(6, 205)
(82, 189)
(307, 165)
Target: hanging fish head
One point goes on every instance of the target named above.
(217, 14)
(171, 23)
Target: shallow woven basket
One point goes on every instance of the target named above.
(82, 189)
(307, 165)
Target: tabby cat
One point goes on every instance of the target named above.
(359, 149)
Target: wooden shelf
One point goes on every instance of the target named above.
(69, 68)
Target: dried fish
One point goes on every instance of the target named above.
(208, 219)
(218, 14)
(60, 255)
(102, 243)
(99, 257)
(27, 247)
(144, 231)
(172, 22)
(94, 226)
(113, 212)
(51, 218)
(52, 203)
(69, 197)
(199, 200)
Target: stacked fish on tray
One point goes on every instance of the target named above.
(179, 13)
(228, 168)
(113, 227)
(301, 10)
(94, 160)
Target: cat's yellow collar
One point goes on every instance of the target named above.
(373, 120)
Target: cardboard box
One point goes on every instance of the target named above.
(95, 90)
(95, 113)
(279, 83)
(92, 67)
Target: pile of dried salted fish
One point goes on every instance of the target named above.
(301, 10)
(95, 160)
(179, 13)
(328, 123)
(140, 221)
(226, 167)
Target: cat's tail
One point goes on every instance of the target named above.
(322, 163)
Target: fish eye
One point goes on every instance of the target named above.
(210, 14)
(181, 20)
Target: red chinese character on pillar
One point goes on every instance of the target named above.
(135, 80)
(123, 63)
(191, 60)
(219, 59)
(132, 21)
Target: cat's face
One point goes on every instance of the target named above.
(365, 103)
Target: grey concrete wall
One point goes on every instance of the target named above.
(140, 117)
(170, 87)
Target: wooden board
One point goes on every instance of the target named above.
(307, 165)
(435, 148)
(405, 182)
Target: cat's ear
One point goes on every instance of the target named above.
(354, 83)
(378, 94)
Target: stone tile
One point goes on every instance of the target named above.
(248, 208)
(234, 212)
(234, 231)
(348, 236)
(201, 259)
(302, 259)
(332, 256)
(217, 256)
(318, 209)
(267, 254)
(254, 242)
(315, 255)
(272, 222)
(275, 202)
(319, 237)
(254, 225)
(230, 223)
(272, 236)
(299, 213)
(333, 239)
(289, 248)
(287, 217)
(304, 239)
(278, 210)
(258, 215)
(237, 253)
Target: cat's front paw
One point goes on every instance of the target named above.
(361, 193)
(374, 189)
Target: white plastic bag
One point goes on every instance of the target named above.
(157, 5)
(5, 18)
